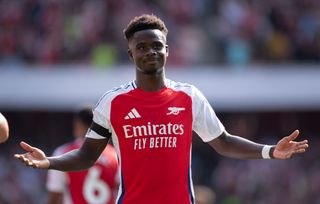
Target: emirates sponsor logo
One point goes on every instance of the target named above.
(153, 130)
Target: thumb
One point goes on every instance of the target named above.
(26, 146)
(293, 135)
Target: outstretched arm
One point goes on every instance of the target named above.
(81, 158)
(241, 148)
(78, 159)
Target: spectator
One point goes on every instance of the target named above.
(57, 32)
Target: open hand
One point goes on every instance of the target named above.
(34, 157)
(286, 147)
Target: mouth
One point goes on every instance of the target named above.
(151, 60)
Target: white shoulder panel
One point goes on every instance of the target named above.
(101, 113)
(205, 121)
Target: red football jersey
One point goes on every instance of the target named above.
(95, 185)
(152, 134)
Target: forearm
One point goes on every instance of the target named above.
(72, 161)
(81, 158)
(238, 147)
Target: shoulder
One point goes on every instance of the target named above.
(175, 85)
(182, 86)
(112, 93)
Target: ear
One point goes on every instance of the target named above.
(130, 54)
(167, 50)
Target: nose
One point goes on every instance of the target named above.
(151, 52)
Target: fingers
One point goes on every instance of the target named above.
(302, 146)
(21, 157)
(293, 135)
(26, 146)
(25, 160)
(300, 151)
(303, 142)
(18, 156)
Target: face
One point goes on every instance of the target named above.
(148, 50)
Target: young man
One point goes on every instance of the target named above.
(95, 185)
(151, 120)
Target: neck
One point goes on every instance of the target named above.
(150, 82)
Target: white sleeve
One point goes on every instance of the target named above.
(205, 121)
(101, 117)
(56, 180)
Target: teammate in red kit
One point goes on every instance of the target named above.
(95, 185)
(150, 121)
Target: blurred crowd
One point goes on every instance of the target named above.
(293, 181)
(217, 179)
(200, 31)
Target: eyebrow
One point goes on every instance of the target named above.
(140, 43)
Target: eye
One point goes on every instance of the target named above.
(157, 46)
(141, 47)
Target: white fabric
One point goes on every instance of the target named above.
(57, 181)
(101, 113)
(94, 135)
(205, 121)
(266, 152)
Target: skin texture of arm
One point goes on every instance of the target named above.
(76, 160)
(81, 158)
(55, 198)
(241, 148)
(236, 147)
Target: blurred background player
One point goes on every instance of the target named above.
(4, 129)
(204, 195)
(95, 185)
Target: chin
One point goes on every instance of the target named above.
(151, 70)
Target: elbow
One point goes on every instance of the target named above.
(222, 151)
(221, 145)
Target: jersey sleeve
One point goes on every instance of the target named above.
(100, 128)
(205, 121)
(56, 181)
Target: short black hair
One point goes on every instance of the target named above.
(85, 115)
(144, 22)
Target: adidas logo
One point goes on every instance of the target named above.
(132, 114)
